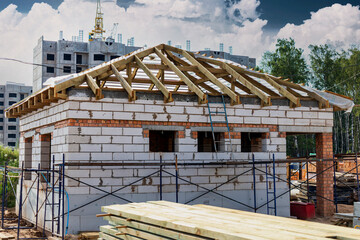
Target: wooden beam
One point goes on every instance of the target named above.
(181, 75)
(212, 78)
(158, 84)
(124, 84)
(94, 87)
(247, 84)
(283, 91)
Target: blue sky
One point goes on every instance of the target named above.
(277, 12)
(250, 27)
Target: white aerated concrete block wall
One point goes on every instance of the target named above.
(118, 135)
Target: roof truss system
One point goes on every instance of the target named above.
(170, 70)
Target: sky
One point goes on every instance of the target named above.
(251, 27)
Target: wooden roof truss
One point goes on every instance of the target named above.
(170, 70)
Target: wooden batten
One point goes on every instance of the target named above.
(124, 84)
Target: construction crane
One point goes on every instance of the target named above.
(111, 38)
(97, 33)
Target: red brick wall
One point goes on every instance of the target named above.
(324, 178)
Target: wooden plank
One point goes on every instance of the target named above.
(152, 228)
(181, 75)
(148, 81)
(247, 84)
(107, 236)
(94, 87)
(283, 91)
(131, 232)
(156, 81)
(124, 84)
(211, 77)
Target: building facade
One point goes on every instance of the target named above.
(11, 93)
(64, 57)
(151, 136)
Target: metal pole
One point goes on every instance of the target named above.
(46, 197)
(53, 195)
(254, 179)
(37, 196)
(176, 179)
(274, 184)
(357, 175)
(335, 194)
(307, 181)
(267, 189)
(4, 195)
(63, 197)
(59, 199)
(20, 199)
(160, 176)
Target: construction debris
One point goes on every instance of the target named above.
(167, 220)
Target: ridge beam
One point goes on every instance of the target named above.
(212, 78)
(294, 100)
(266, 99)
(158, 84)
(94, 87)
(181, 75)
(124, 83)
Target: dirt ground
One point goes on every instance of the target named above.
(342, 208)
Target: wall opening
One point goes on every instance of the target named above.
(162, 141)
(45, 157)
(28, 157)
(251, 142)
(206, 141)
(300, 145)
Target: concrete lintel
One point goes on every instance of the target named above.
(163, 128)
(254, 130)
(29, 134)
(208, 129)
(47, 130)
(305, 129)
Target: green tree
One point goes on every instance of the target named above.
(11, 157)
(287, 61)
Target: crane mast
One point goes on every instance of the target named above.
(97, 33)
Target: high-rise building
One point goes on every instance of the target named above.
(11, 93)
(56, 58)
(188, 46)
(243, 60)
(221, 47)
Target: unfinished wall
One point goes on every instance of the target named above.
(113, 130)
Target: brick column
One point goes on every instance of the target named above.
(324, 180)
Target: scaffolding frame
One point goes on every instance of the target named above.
(59, 170)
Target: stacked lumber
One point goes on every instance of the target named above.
(166, 220)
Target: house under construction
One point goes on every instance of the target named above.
(165, 123)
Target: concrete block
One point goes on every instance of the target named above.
(268, 120)
(225, 171)
(78, 190)
(317, 122)
(175, 109)
(188, 188)
(101, 156)
(261, 113)
(101, 139)
(218, 179)
(243, 112)
(147, 189)
(310, 114)
(252, 120)
(78, 156)
(154, 108)
(304, 122)
(96, 173)
(285, 121)
(145, 116)
(134, 107)
(122, 115)
(90, 148)
(294, 114)
(133, 131)
(122, 139)
(133, 148)
(187, 148)
(90, 130)
(123, 156)
(179, 118)
(90, 106)
(277, 113)
(112, 148)
(140, 140)
(326, 115)
(278, 140)
(329, 123)
(101, 115)
(115, 107)
(261, 156)
(200, 180)
(78, 173)
(77, 114)
(123, 172)
(198, 118)
(112, 131)
(206, 171)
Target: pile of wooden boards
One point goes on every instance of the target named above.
(166, 220)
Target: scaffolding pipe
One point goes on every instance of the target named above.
(254, 179)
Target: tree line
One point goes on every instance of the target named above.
(325, 68)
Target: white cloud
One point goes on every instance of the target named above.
(204, 22)
(337, 24)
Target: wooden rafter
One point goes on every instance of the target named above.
(94, 87)
(211, 77)
(181, 75)
(283, 91)
(158, 84)
(124, 84)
